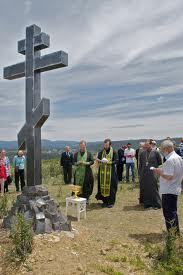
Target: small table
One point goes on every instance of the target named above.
(78, 203)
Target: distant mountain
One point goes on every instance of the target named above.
(57, 144)
(60, 144)
(9, 145)
(46, 144)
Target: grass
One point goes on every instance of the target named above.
(118, 258)
(108, 270)
(137, 262)
(132, 239)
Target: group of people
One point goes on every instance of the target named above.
(159, 171)
(5, 171)
(82, 160)
(155, 167)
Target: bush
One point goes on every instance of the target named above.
(21, 235)
(169, 258)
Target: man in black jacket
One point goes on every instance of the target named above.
(66, 162)
(121, 163)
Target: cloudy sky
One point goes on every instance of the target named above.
(125, 73)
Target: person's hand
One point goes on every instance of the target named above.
(98, 160)
(158, 171)
(85, 163)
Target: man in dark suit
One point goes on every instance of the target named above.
(121, 162)
(66, 162)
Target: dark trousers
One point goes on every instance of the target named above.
(120, 169)
(19, 176)
(128, 166)
(6, 186)
(67, 170)
(169, 205)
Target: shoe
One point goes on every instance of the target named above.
(156, 207)
(110, 205)
(148, 207)
(104, 205)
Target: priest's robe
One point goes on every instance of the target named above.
(83, 174)
(149, 189)
(108, 197)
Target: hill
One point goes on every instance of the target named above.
(57, 145)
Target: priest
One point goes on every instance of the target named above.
(107, 176)
(149, 190)
(83, 175)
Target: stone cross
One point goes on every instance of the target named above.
(37, 109)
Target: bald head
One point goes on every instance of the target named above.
(20, 153)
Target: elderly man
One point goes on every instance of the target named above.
(107, 176)
(171, 175)
(19, 166)
(83, 174)
(149, 194)
(66, 162)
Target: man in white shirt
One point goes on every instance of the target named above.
(171, 175)
(130, 162)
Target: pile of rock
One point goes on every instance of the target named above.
(39, 209)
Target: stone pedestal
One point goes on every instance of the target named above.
(40, 209)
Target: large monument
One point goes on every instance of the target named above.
(34, 201)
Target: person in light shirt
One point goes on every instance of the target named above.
(130, 162)
(171, 175)
(19, 162)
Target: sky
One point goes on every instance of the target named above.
(125, 74)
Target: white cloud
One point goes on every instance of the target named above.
(28, 5)
(125, 67)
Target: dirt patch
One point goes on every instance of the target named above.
(110, 241)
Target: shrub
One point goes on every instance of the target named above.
(21, 235)
(169, 258)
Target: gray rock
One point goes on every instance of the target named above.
(48, 226)
(40, 227)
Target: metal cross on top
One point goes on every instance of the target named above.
(37, 109)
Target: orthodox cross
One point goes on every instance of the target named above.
(37, 108)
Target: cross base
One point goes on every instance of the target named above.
(39, 209)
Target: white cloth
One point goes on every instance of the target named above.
(173, 166)
(130, 155)
(104, 160)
